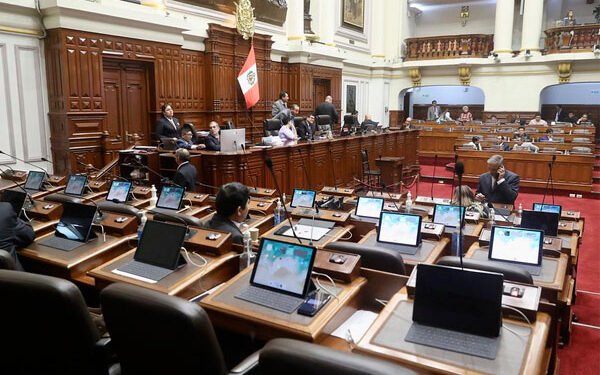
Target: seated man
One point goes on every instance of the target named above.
(504, 146)
(305, 128)
(497, 185)
(212, 140)
(538, 121)
(14, 232)
(185, 141)
(571, 118)
(527, 145)
(475, 144)
(368, 124)
(186, 174)
(583, 119)
(408, 124)
(232, 209)
(520, 135)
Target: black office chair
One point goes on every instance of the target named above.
(372, 176)
(154, 333)
(6, 261)
(377, 258)
(190, 126)
(62, 198)
(323, 123)
(177, 218)
(271, 127)
(228, 125)
(120, 208)
(298, 119)
(47, 328)
(510, 272)
(293, 357)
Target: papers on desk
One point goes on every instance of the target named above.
(306, 231)
(357, 324)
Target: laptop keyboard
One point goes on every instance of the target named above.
(402, 249)
(60, 243)
(479, 346)
(533, 270)
(275, 300)
(146, 270)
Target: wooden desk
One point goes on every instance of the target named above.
(41, 227)
(336, 233)
(196, 199)
(391, 169)
(111, 226)
(338, 217)
(385, 339)
(262, 222)
(248, 318)
(46, 211)
(73, 264)
(186, 282)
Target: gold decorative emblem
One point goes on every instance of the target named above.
(564, 72)
(464, 74)
(415, 76)
(244, 18)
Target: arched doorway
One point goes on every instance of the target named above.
(414, 101)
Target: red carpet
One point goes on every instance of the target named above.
(587, 309)
(582, 356)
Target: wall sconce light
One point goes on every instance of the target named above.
(464, 15)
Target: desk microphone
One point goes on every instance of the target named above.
(174, 216)
(383, 189)
(435, 159)
(99, 214)
(452, 188)
(269, 163)
(333, 168)
(304, 166)
(255, 188)
(460, 169)
(549, 181)
(21, 187)
(28, 163)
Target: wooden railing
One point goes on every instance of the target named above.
(449, 46)
(572, 38)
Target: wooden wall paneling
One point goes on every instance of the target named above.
(338, 166)
(397, 117)
(279, 156)
(320, 167)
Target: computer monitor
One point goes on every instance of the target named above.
(119, 191)
(284, 267)
(232, 140)
(303, 198)
(544, 221)
(399, 229)
(369, 207)
(76, 184)
(160, 244)
(516, 245)
(448, 215)
(170, 197)
(35, 179)
(76, 221)
(556, 208)
(16, 198)
(460, 300)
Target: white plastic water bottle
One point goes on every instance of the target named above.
(409, 202)
(278, 214)
(153, 197)
(247, 257)
(283, 198)
(492, 217)
(520, 210)
(140, 230)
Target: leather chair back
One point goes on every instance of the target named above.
(510, 272)
(6, 261)
(293, 357)
(120, 208)
(228, 125)
(62, 198)
(191, 127)
(47, 327)
(271, 127)
(154, 333)
(377, 258)
(177, 218)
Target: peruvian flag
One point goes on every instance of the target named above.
(248, 80)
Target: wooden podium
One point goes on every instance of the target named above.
(391, 169)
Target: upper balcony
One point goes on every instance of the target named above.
(568, 39)
(449, 46)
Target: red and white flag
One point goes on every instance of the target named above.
(248, 80)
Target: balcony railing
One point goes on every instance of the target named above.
(449, 46)
(572, 38)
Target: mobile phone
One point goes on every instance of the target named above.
(313, 303)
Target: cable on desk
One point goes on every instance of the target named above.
(189, 259)
(317, 274)
(101, 228)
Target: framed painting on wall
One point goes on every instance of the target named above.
(353, 14)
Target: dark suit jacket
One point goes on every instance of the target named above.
(304, 130)
(368, 124)
(327, 108)
(212, 143)
(14, 232)
(563, 116)
(505, 147)
(182, 143)
(165, 129)
(223, 224)
(186, 176)
(505, 193)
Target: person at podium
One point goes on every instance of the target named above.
(167, 126)
(212, 140)
(498, 185)
(232, 205)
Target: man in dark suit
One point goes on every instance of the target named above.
(327, 108)
(186, 140)
(14, 232)
(498, 185)
(503, 145)
(168, 126)
(368, 124)
(561, 115)
(213, 140)
(280, 105)
(186, 175)
(232, 209)
(305, 128)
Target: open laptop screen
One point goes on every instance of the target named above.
(76, 221)
(15, 198)
(118, 192)
(448, 215)
(548, 208)
(459, 300)
(160, 244)
(35, 179)
(303, 198)
(284, 267)
(170, 197)
(516, 245)
(369, 207)
(76, 184)
(399, 229)
(545, 221)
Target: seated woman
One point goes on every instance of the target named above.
(465, 116)
(287, 133)
(468, 200)
(445, 116)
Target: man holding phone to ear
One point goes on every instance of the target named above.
(498, 185)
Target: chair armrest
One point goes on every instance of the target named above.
(246, 365)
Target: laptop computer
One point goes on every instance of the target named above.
(170, 198)
(16, 198)
(368, 208)
(158, 253)
(521, 247)
(232, 140)
(400, 232)
(34, 182)
(119, 191)
(556, 208)
(76, 185)
(457, 310)
(448, 215)
(281, 276)
(542, 220)
(74, 228)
